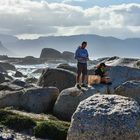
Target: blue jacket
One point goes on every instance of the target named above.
(81, 53)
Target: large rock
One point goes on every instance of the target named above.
(36, 100)
(69, 56)
(129, 62)
(39, 100)
(69, 99)
(49, 53)
(121, 74)
(106, 117)
(59, 78)
(129, 89)
(67, 67)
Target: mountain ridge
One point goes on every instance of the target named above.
(98, 46)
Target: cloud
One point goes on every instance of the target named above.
(18, 17)
(68, 1)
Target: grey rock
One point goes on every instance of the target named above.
(129, 89)
(18, 74)
(69, 56)
(29, 60)
(49, 53)
(31, 80)
(67, 67)
(39, 100)
(2, 70)
(59, 78)
(38, 71)
(2, 78)
(69, 99)
(7, 66)
(121, 74)
(106, 117)
(36, 100)
(14, 85)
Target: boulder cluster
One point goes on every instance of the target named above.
(99, 112)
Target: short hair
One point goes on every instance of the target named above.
(84, 42)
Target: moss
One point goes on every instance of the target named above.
(52, 128)
(51, 117)
(56, 130)
(16, 122)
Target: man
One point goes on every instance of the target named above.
(82, 57)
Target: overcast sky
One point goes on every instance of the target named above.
(33, 18)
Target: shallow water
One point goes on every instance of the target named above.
(29, 69)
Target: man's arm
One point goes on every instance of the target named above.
(77, 56)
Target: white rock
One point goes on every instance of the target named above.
(106, 117)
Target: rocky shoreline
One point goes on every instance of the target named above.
(54, 93)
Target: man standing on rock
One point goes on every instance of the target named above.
(82, 57)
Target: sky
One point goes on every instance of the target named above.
(34, 18)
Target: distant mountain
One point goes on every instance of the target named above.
(98, 46)
(8, 38)
(4, 51)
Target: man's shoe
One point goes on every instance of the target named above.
(84, 85)
(78, 86)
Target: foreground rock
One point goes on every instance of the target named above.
(106, 117)
(69, 99)
(36, 100)
(59, 78)
(129, 89)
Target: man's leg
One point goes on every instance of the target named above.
(78, 78)
(84, 75)
(79, 71)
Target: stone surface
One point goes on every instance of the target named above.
(67, 67)
(129, 89)
(31, 80)
(2, 78)
(106, 117)
(69, 56)
(50, 53)
(14, 85)
(8, 134)
(69, 99)
(121, 74)
(18, 74)
(34, 99)
(7, 66)
(59, 78)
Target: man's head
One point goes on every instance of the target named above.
(84, 44)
